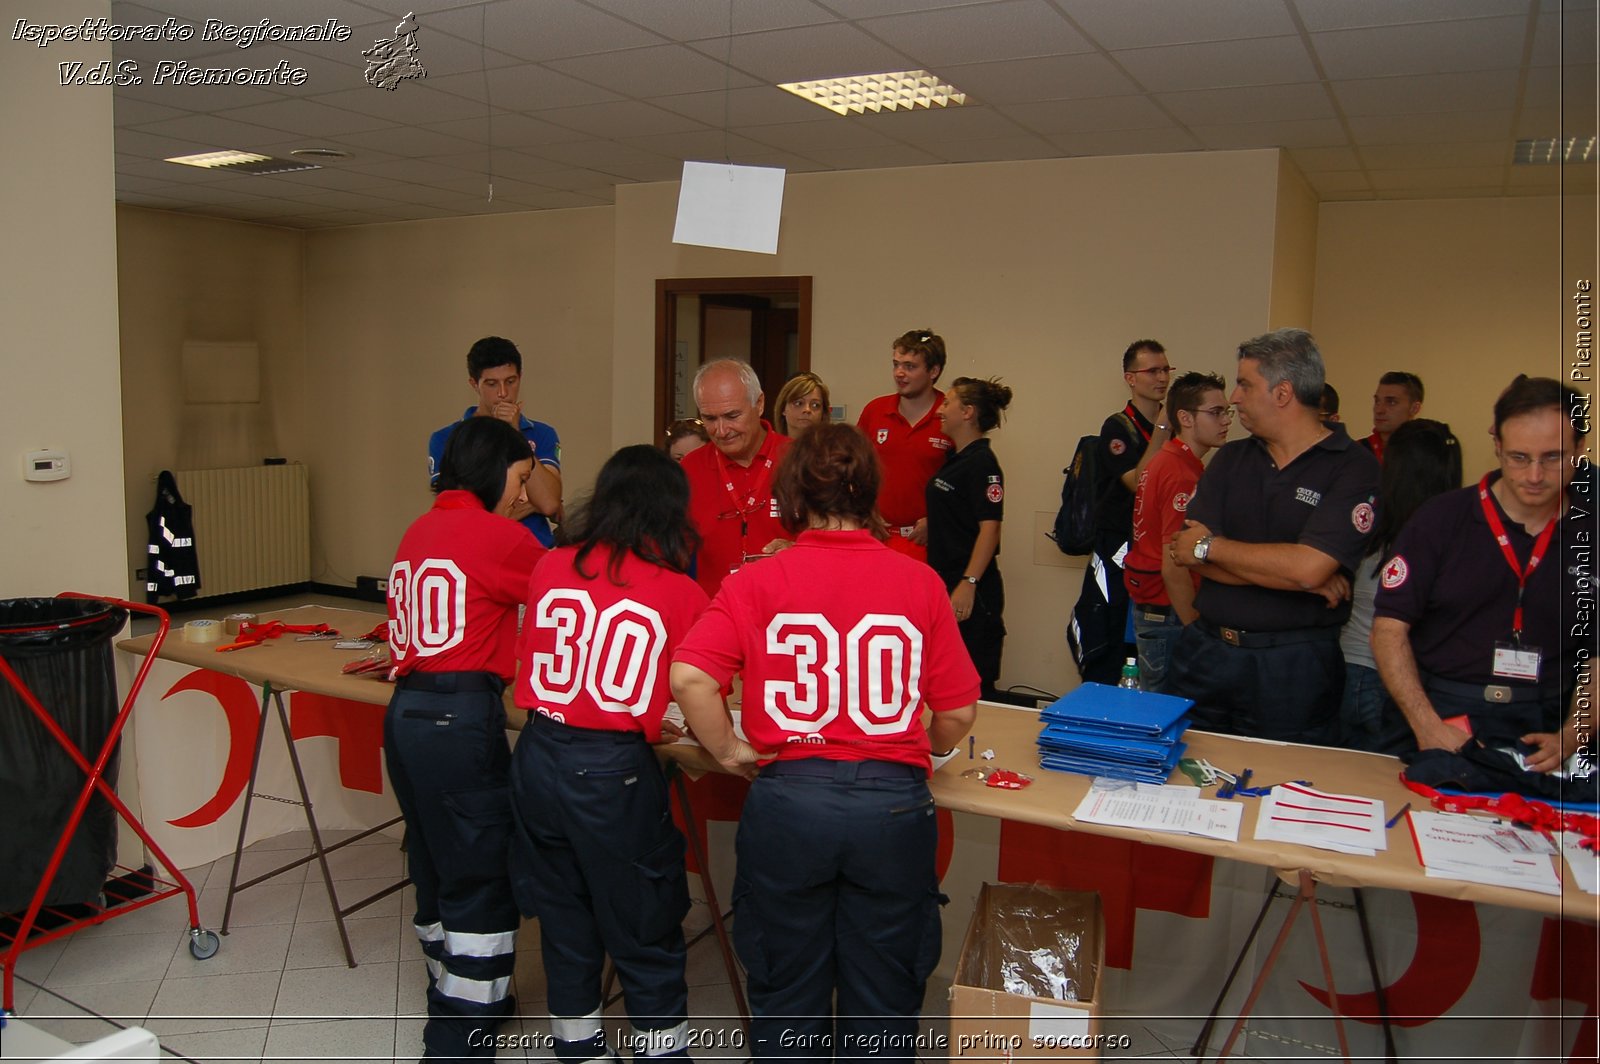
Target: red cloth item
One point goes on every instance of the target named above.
(597, 654)
(1159, 507)
(910, 456)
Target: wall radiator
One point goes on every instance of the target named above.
(252, 526)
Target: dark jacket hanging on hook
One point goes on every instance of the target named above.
(172, 564)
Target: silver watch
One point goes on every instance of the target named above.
(1202, 547)
(971, 580)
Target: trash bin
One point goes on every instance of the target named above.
(60, 649)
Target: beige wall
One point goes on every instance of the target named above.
(1038, 272)
(1294, 250)
(189, 278)
(1466, 293)
(58, 316)
(390, 313)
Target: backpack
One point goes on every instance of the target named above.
(1083, 483)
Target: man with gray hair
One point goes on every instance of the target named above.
(730, 482)
(1278, 523)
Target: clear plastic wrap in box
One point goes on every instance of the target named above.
(1036, 942)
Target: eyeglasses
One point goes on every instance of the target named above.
(1221, 413)
(1158, 370)
(1517, 460)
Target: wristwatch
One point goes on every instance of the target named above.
(971, 580)
(1202, 547)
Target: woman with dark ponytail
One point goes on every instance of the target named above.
(965, 507)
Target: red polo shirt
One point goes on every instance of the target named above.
(1159, 505)
(732, 507)
(910, 455)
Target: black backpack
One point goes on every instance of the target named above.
(1083, 483)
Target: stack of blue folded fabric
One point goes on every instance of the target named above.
(1113, 731)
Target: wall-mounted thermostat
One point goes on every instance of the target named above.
(46, 465)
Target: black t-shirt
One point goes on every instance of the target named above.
(1123, 438)
(969, 488)
(1450, 582)
(1325, 499)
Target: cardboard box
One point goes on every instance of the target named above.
(1050, 942)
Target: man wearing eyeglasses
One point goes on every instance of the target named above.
(1397, 400)
(730, 483)
(1162, 595)
(1129, 439)
(1278, 523)
(1484, 625)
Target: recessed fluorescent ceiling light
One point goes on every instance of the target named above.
(242, 162)
(898, 90)
(1549, 150)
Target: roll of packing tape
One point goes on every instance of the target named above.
(231, 623)
(202, 632)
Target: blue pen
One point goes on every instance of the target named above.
(1404, 809)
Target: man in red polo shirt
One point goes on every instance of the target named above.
(903, 427)
(1160, 593)
(730, 482)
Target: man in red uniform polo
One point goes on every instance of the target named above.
(730, 482)
(1160, 593)
(903, 427)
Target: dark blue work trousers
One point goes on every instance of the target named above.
(836, 894)
(445, 742)
(1273, 685)
(597, 858)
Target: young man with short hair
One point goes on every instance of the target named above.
(1162, 594)
(1397, 400)
(903, 427)
(494, 369)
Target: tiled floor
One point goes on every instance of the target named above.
(279, 989)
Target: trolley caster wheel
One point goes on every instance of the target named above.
(203, 944)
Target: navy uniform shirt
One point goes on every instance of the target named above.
(1450, 582)
(969, 488)
(1123, 440)
(1325, 499)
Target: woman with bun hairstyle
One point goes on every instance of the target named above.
(846, 648)
(965, 506)
(458, 577)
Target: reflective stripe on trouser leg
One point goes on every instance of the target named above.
(666, 1042)
(579, 1038)
(464, 988)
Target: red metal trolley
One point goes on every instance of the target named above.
(146, 888)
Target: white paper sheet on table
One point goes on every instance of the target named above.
(1345, 823)
(1585, 864)
(1479, 850)
(1163, 807)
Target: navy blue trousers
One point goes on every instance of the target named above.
(1288, 692)
(836, 908)
(447, 756)
(597, 858)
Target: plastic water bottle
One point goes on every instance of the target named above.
(1130, 675)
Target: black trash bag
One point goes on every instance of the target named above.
(61, 649)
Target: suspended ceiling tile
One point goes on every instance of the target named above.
(669, 69)
(1264, 103)
(1423, 48)
(1014, 29)
(508, 130)
(411, 142)
(1325, 181)
(1085, 116)
(1127, 142)
(762, 106)
(872, 158)
(1120, 24)
(1454, 177)
(1001, 150)
(523, 88)
(1349, 14)
(1219, 64)
(543, 29)
(694, 21)
(1483, 90)
(926, 127)
(806, 138)
(707, 144)
(807, 53)
(1567, 37)
(1429, 156)
(1063, 77)
(1325, 159)
(306, 117)
(1313, 133)
(1445, 127)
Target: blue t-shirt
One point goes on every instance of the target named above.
(541, 438)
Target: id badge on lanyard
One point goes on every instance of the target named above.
(1514, 659)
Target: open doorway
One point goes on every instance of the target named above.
(765, 321)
